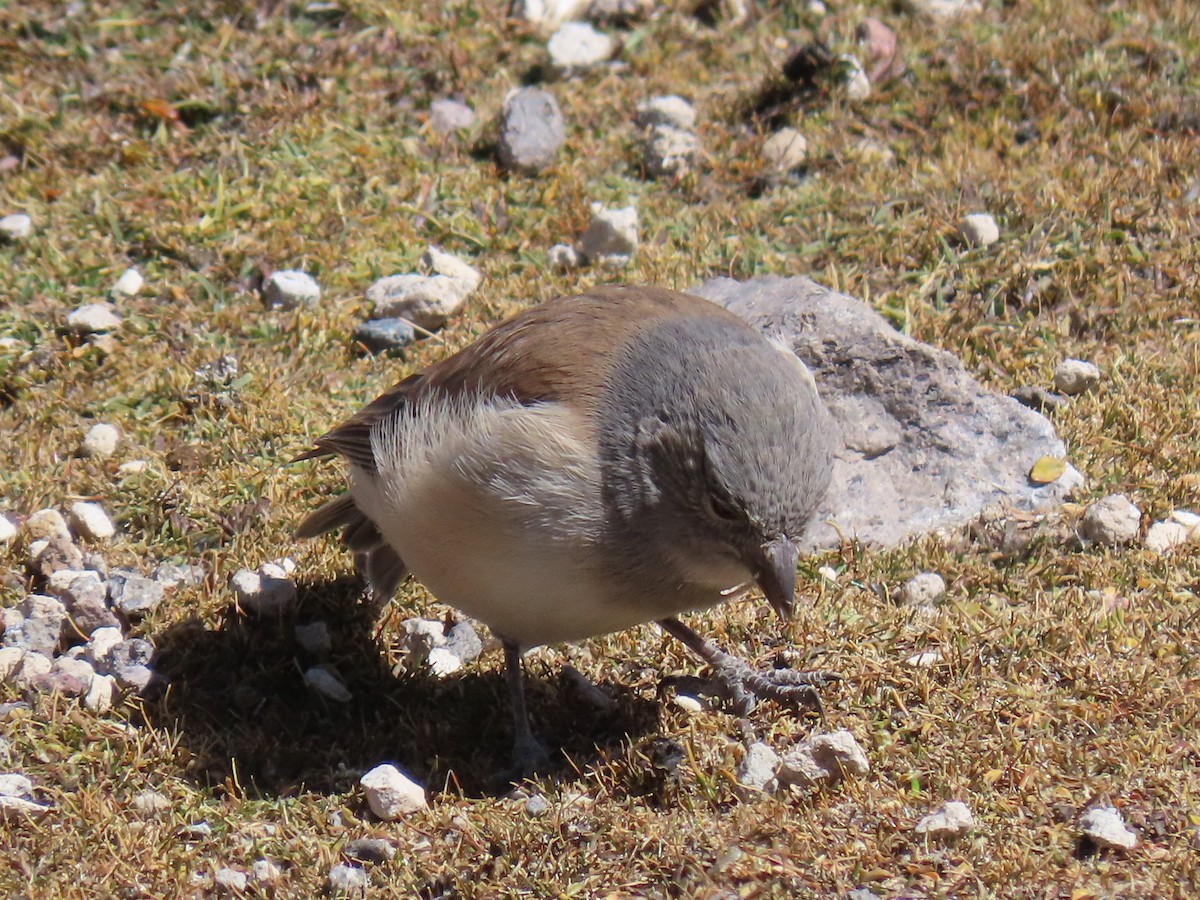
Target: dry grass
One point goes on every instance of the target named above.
(206, 143)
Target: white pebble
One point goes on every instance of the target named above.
(924, 660)
(8, 530)
(829, 573)
(263, 593)
(827, 758)
(101, 441)
(758, 767)
(101, 641)
(1074, 376)
(99, 696)
(668, 151)
(443, 662)
(949, 821)
(150, 803)
(923, 589)
(942, 9)
(391, 794)
(1162, 537)
(132, 467)
(1111, 521)
(16, 227)
(979, 230)
(549, 14)
(10, 661)
(128, 284)
(1186, 518)
(577, 45)
(612, 235)
(1104, 826)
(348, 881)
(91, 521)
(687, 704)
(32, 666)
(855, 82)
(93, 318)
(429, 298)
(314, 638)
(669, 110)
(784, 150)
(288, 289)
(16, 799)
(327, 684)
(562, 257)
(45, 524)
(232, 880)
(264, 872)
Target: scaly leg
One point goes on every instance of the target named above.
(529, 754)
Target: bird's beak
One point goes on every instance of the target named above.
(775, 572)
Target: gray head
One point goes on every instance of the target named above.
(716, 452)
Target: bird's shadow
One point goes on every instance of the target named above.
(236, 700)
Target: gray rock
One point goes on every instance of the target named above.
(40, 625)
(758, 767)
(289, 289)
(463, 641)
(265, 872)
(8, 530)
(45, 524)
(59, 553)
(785, 150)
(430, 297)
(612, 235)
(950, 821)
(85, 598)
(1104, 827)
(134, 678)
(391, 794)
(17, 801)
(230, 881)
(536, 806)
(99, 644)
(101, 441)
(978, 230)
(448, 116)
(531, 131)
(67, 676)
(170, 575)
(348, 881)
(925, 447)
(370, 850)
(263, 593)
(382, 335)
(133, 594)
(577, 45)
(824, 759)
(1038, 398)
(15, 227)
(99, 696)
(91, 521)
(322, 681)
(127, 285)
(1112, 521)
(32, 666)
(923, 589)
(149, 804)
(124, 654)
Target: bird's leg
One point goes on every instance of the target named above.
(743, 686)
(529, 754)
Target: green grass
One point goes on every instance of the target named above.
(206, 144)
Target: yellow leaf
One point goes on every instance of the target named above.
(1047, 469)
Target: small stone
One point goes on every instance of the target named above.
(128, 284)
(1162, 537)
(923, 589)
(562, 257)
(100, 644)
(93, 318)
(134, 678)
(10, 660)
(32, 668)
(924, 660)
(123, 655)
(8, 530)
(855, 83)
(17, 801)
(314, 638)
(1104, 827)
(948, 822)
(265, 872)
(668, 110)
(668, 152)
(687, 704)
(872, 153)
(232, 881)
(429, 299)
(41, 626)
(325, 683)
(420, 636)
(612, 235)
(942, 9)
(133, 467)
(463, 641)
(978, 230)
(784, 151)
(391, 794)
(549, 14)
(862, 894)
(69, 677)
(879, 45)
(170, 575)
(101, 441)
(262, 594)
(370, 850)
(54, 555)
(289, 289)
(45, 524)
(348, 881)
(824, 758)
(531, 131)
(91, 521)
(149, 803)
(829, 573)
(1111, 521)
(383, 335)
(576, 46)
(99, 696)
(16, 227)
(536, 806)
(133, 594)
(194, 832)
(448, 116)
(85, 598)
(1075, 376)
(13, 784)
(1186, 518)
(758, 767)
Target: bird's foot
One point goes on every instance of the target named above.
(741, 687)
(529, 758)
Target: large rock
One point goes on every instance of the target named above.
(925, 445)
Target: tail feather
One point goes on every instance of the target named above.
(334, 514)
(385, 570)
(383, 566)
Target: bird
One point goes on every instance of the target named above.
(593, 463)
